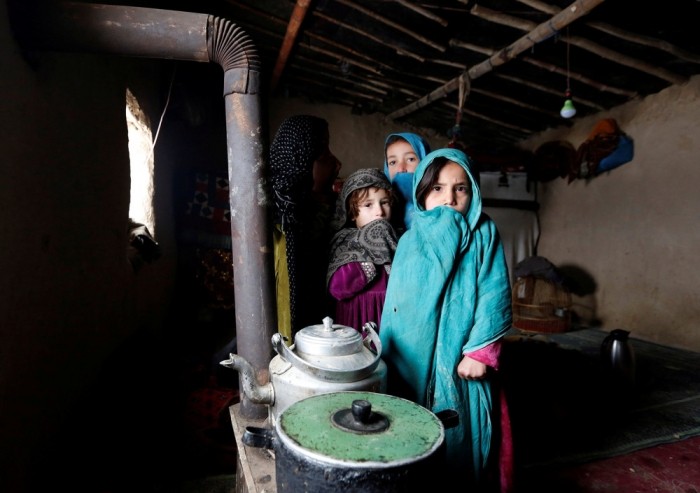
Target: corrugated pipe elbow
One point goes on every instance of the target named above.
(235, 52)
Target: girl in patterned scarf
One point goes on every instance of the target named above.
(361, 253)
(302, 172)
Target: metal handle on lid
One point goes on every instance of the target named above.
(360, 418)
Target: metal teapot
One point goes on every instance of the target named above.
(324, 358)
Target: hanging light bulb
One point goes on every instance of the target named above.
(568, 110)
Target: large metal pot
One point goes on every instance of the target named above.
(324, 358)
(354, 441)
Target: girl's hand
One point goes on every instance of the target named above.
(471, 369)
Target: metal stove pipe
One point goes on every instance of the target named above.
(155, 33)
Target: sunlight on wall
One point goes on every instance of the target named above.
(141, 157)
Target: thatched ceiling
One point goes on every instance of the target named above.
(391, 56)
(405, 58)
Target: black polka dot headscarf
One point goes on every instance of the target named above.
(299, 141)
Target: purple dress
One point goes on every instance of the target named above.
(358, 300)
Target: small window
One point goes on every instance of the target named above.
(141, 156)
(142, 247)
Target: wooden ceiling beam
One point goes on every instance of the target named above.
(328, 72)
(309, 34)
(581, 78)
(349, 50)
(551, 68)
(367, 35)
(314, 81)
(516, 102)
(584, 102)
(586, 44)
(424, 12)
(500, 123)
(541, 32)
(646, 41)
(621, 33)
(256, 12)
(628, 61)
(339, 57)
(398, 27)
(293, 28)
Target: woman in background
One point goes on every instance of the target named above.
(302, 172)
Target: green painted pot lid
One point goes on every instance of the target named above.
(314, 428)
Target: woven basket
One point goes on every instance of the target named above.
(540, 305)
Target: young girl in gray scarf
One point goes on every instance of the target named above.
(361, 252)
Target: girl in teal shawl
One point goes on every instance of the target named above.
(448, 304)
(402, 153)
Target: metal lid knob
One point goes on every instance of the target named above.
(360, 418)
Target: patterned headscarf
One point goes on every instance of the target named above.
(363, 178)
(376, 241)
(299, 141)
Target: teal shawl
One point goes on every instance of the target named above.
(448, 294)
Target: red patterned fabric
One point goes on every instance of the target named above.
(206, 405)
(207, 219)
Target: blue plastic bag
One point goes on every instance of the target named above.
(623, 153)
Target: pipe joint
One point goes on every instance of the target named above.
(241, 81)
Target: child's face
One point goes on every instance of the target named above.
(452, 189)
(401, 158)
(376, 205)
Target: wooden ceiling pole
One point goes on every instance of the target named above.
(621, 33)
(583, 43)
(552, 68)
(377, 40)
(543, 31)
(393, 24)
(424, 12)
(295, 21)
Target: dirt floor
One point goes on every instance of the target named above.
(669, 468)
